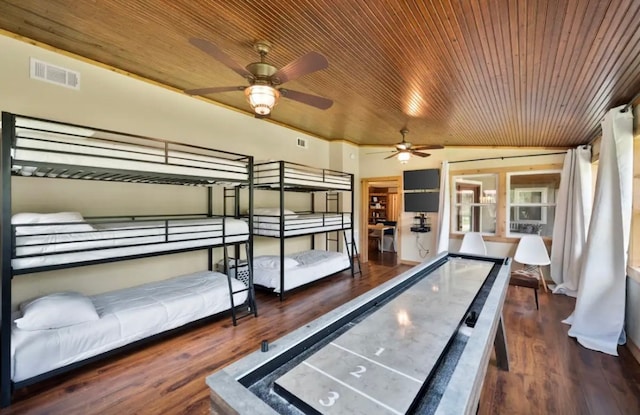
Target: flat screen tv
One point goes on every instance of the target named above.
(421, 202)
(421, 179)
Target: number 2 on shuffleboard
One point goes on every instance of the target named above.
(359, 371)
(331, 399)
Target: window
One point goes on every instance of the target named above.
(532, 202)
(474, 203)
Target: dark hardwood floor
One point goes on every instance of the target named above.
(549, 373)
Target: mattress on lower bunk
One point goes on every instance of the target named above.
(123, 239)
(301, 224)
(312, 265)
(126, 316)
(269, 174)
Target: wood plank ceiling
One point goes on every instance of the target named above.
(455, 72)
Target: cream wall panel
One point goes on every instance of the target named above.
(121, 103)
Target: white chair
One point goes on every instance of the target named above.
(532, 253)
(472, 243)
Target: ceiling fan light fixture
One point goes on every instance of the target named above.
(262, 98)
(404, 157)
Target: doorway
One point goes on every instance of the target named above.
(380, 223)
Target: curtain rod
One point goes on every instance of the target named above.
(508, 157)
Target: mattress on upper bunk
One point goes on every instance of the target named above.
(51, 143)
(301, 224)
(125, 316)
(309, 266)
(53, 244)
(268, 174)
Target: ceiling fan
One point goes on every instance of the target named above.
(405, 149)
(263, 78)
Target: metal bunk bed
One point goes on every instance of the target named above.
(282, 176)
(49, 149)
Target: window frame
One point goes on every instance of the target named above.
(544, 203)
(502, 233)
(469, 179)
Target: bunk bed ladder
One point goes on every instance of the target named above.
(332, 204)
(333, 198)
(354, 256)
(238, 267)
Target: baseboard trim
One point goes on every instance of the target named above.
(633, 348)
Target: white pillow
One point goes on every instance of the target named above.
(48, 218)
(56, 310)
(274, 212)
(273, 262)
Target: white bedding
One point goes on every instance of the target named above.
(125, 316)
(269, 174)
(147, 237)
(59, 148)
(313, 265)
(301, 224)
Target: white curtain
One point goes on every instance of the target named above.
(598, 318)
(444, 210)
(573, 211)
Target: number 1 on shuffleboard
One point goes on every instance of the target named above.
(379, 352)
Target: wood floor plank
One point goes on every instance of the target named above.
(550, 372)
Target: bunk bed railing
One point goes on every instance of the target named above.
(41, 245)
(52, 149)
(298, 177)
(301, 223)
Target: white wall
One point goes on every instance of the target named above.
(632, 323)
(121, 103)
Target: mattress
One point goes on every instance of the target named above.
(268, 174)
(125, 316)
(125, 239)
(313, 265)
(57, 148)
(301, 224)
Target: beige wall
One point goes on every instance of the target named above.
(114, 101)
(121, 103)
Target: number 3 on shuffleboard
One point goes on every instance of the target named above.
(331, 399)
(359, 371)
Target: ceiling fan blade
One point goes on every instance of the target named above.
(313, 100)
(381, 152)
(427, 147)
(311, 62)
(393, 155)
(219, 55)
(204, 91)
(419, 154)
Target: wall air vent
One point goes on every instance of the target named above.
(303, 143)
(47, 72)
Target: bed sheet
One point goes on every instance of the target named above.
(268, 174)
(108, 241)
(125, 316)
(314, 264)
(66, 150)
(302, 224)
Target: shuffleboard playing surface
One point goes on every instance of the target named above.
(379, 365)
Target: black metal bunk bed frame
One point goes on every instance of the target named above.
(8, 145)
(332, 195)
